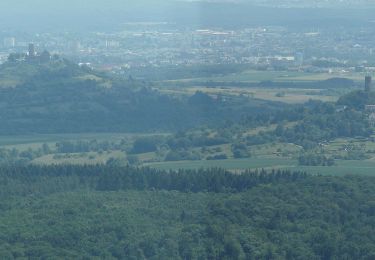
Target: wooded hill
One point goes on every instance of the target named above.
(61, 97)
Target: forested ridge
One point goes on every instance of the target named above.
(61, 97)
(140, 213)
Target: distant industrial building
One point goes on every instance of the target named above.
(32, 52)
(9, 42)
(75, 46)
(370, 108)
(299, 58)
(112, 44)
(368, 82)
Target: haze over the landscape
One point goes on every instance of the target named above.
(91, 15)
(203, 129)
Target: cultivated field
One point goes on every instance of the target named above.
(269, 156)
(341, 168)
(255, 76)
(298, 92)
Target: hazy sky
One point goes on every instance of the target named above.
(44, 13)
(39, 15)
(56, 5)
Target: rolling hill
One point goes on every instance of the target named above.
(62, 97)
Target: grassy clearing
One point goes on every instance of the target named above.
(286, 95)
(34, 141)
(281, 94)
(342, 168)
(79, 158)
(230, 164)
(89, 77)
(254, 76)
(9, 82)
(270, 156)
(280, 149)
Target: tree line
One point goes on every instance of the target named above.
(114, 178)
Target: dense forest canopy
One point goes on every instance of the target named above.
(357, 99)
(110, 212)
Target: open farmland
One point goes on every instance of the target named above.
(237, 165)
(285, 95)
(254, 76)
